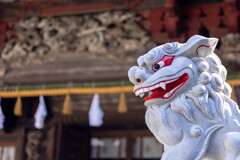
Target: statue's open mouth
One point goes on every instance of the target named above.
(164, 89)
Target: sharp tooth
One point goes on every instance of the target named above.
(167, 95)
(146, 89)
(141, 91)
(170, 81)
(141, 95)
(163, 85)
(137, 93)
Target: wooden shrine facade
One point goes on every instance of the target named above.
(167, 20)
(69, 136)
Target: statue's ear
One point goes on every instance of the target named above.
(198, 46)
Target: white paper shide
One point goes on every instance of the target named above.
(2, 117)
(95, 112)
(40, 113)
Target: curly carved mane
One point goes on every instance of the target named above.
(210, 96)
(189, 108)
(211, 92)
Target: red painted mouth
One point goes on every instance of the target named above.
(171, 88)
(164, 89)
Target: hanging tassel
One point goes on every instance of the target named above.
(2, 117)
(122, 106)
(67, 108)
(18, 107)
(40, 113)
(95, 112)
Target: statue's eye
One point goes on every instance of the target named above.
(165, 61)
(158, 65)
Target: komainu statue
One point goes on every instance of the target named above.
(189, 109)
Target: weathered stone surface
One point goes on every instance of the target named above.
(33, 145)
(189, 108)
(230, 43)
(229, 52)
(112, 34)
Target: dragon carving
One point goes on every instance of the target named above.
(189, 109)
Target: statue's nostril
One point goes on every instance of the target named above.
(139, 80)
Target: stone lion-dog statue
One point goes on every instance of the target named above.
(189, 109)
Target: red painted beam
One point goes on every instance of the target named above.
(73, 9)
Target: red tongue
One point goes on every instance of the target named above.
(159, 92)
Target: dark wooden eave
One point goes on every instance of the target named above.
(69, 67)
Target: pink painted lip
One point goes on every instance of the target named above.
(172, 86)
